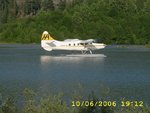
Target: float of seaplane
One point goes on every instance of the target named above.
(85, 46)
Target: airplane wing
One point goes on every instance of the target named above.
(87, 41)
(71, 40)
(80, 41)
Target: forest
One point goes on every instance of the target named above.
(109, 21)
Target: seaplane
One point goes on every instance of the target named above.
(48, 43)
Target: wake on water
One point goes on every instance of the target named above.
(86, 55)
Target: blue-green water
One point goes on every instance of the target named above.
(124, 73)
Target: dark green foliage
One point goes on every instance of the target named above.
(112, 21)
(146, 7)
(35, 103)
(9, 106)
(140, 4)
(94, 109)
(8, 10)
(47, 5)
(62, 4)
(4, 11)
(31, 7)
(4, 4)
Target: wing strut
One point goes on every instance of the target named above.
(85, 52)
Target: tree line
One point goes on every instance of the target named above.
(21, 8)
(111, 21)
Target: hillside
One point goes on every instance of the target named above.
(111, 21)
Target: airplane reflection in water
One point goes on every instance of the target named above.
(75, 59)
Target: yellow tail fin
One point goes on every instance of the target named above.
(46, 36)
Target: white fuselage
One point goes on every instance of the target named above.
(74, 44)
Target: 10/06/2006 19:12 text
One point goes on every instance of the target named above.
(107, 103)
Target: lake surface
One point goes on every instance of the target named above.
(123, 73)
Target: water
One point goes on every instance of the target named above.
(123, 73)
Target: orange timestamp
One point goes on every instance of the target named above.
(107, 103)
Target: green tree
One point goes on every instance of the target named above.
(77, 2)
(29, 106)
(147, 6)
(53, 104)
(4, 11)
(122, 7)
(31, 7)
(140, 4)
(9, 106)
(13, 9)
(47, 5)
(62, 4)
